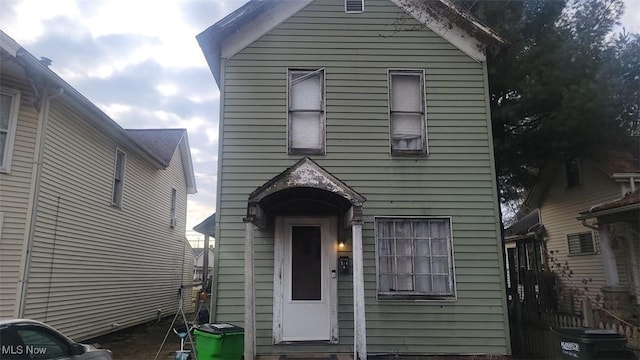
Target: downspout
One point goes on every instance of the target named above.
(608, 256)
(592, 227)
(32, 208)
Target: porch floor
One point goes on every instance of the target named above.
(304, 356)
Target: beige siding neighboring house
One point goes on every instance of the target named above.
(92, 216)
(577, 234)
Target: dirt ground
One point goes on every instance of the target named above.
(142, 342)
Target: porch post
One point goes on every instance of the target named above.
(608, 257)
(359, 320)
(249, 293)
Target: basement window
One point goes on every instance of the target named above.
(581, 244)
(354, 6)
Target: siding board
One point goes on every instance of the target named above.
(92, 265)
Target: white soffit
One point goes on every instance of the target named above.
(252, 31)
(10, 45)
(455, 35)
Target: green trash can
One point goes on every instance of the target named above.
(586, 343)
(219, 342)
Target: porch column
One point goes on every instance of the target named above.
(249, 292)
(608, 257)
(359, 320)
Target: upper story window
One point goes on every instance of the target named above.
(306, 112)
(574, 172)
(9, 103)
(407, 115)
(415, 258)
(581, 244)
(354, 6)
(172, 218)
(118, 179)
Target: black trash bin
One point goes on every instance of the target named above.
(587, 343)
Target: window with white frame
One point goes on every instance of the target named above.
(581, 243)
(407, 114)
(118, 179)
(172, 219)
(306, 108)
(353, 6)
(415, 258)
(9, 103)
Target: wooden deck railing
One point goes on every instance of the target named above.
(595, 318)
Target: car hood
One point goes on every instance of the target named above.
(94, 353)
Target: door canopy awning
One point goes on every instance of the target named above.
(305, 179)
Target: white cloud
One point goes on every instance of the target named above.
(212, 135)
(115, 110)
(167, 89)
(202, 98)
(177, 46)
(27, 26)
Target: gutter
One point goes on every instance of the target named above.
(104, 122)
(610, 211)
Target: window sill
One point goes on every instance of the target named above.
(409, 153)
(583, 254)
(306, 152)
(416, 297)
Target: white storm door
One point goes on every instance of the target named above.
(308, 290)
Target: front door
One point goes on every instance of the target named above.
(305, 282)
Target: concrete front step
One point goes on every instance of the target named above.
(304, 356)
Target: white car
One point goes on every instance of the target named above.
(22, 339)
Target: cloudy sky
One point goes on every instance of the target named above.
(138, 60)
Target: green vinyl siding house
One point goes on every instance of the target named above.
(357, 208)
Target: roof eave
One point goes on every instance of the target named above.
(207, 40)
(187, 163)
(210, 40)
(98, 118)
(520, 237)
(458, 28)
(589, 215)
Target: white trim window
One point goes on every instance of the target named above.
(407, 112)
(581, 243)
(172, 218)
(9, 104)
(306, 112)
(354, 6)
(118, 178)
(415, 258)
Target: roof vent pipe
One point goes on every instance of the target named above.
(45, 61)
